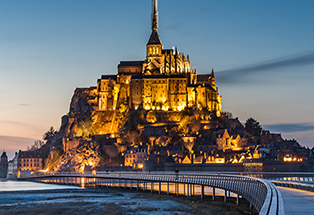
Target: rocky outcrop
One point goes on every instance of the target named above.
(82, 107)
(87, 153)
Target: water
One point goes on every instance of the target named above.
(11, 185)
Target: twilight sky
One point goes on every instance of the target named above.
(262, 53)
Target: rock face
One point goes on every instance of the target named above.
(82, 107)
(86, 154)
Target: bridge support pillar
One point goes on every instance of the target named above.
(151, 187)
(177, 186)
(191, 190)
(238, 199)
(202, 192)
(187, 190)
(225, 197)
(137, 185)
(213, 197)
(124, 183)
(131, 185)
(144, 185)
(167, 188)
(159, 190)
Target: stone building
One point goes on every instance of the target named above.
(135, 156)
(226, 141)
(164, 80)
(13, 167)
(3, 165)
(29, 160)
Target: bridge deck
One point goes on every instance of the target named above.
(297, 202)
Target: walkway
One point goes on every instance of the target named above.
(297, 202)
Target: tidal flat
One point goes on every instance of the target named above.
(109, 201)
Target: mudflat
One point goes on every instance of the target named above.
(110, 201)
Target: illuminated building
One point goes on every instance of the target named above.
(29, 160)
(226, 141)
(135, 156)
(163, 81)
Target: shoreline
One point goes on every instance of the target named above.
(112, 201)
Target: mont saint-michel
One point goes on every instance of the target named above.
(157, 114)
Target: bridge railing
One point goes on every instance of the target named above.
(262, 194)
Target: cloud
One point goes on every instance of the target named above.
(238, 74)
(291, 127)
(15, 123)
(26, 105)
(10, 142)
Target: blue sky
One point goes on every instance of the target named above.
(262, 53)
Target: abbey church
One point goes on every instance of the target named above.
(163, 81)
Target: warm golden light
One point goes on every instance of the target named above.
(287, 159)
(220, 160)
(94, 172)
(292, 159)
(82, 182)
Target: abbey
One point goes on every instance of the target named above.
(163, 81)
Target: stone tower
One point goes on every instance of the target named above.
(154, 45)
(3, 165)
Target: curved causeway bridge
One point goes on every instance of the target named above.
(262, 194)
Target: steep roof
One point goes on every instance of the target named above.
(154, 39)
(4, 154)
(114, 77)
(131, 63)
(29, 154)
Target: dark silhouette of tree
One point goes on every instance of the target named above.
(253, 127)
(48, 135)
(37, 145)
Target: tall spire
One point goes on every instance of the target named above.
(154, 37)
(212, 79)
(155, 15)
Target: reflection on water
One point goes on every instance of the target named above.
(9, 185)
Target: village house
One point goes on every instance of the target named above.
(135, 156)
(30, 160)
(226, 141)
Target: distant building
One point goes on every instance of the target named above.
(13, 167)
(30, 160)
(162, 154)
(164, 80)
(135, 156)
(3, 165)
(226, 141)
(270, 138)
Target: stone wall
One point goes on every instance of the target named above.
(69, 144)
